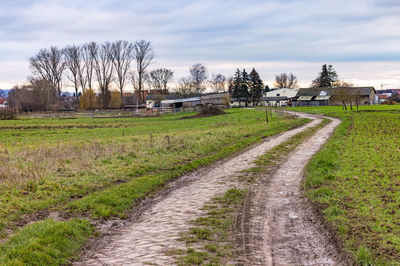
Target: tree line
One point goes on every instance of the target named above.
(98, 64)
(98, 67)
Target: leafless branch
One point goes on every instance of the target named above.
(122, 52)
(160, 78)
(103, 67)
(144, 55)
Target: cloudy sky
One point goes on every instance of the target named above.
(360, 38)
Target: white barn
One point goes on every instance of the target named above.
(278, 97)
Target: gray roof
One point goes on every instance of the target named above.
(277, 98)
(305, 98)
(322, 98)
(163, 96)
(214, 96)
(184, 100)
(332, 91)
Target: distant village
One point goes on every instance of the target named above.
(271, 97)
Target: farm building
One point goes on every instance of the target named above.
(131, 99)
(274, 101)
(3, 103)
(382, 98)
(385, 95)
(279, 97)
(215, 99)
(176, 101)
(154, 100)
(240, 102)
(334, 96)
(179, 103)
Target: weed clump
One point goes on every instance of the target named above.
(211, 110)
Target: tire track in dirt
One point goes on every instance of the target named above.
(280, 227)
(158, 229)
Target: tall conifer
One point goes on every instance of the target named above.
(256, 86)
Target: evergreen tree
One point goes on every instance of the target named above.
(326, 78)
(244, 88)
(256, 86)
(237, 82)
(266, 89)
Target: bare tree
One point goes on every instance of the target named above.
(49, 65)
(160, 78)
(230, 84)
(144, 55)
(218, 83)
(73, 63)
(134, 80)
(38, 95)
(186, 87)
(344, 93)
(103, 67)
(284, 80)
(89, 53)
(198, 74)
(122, 57)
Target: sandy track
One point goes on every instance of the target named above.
(280, 227)
(157, 229)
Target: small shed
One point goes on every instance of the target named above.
(215, 99)
(154, 100)
(179, 103)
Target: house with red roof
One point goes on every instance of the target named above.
(3, 103)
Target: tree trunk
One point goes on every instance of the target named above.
(140, 88)
(76, 95)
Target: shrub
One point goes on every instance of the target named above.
(211, 110)
(115, 100)
(88, 100)
(389, 102)
(8, 114)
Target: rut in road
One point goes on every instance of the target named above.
(280, 227)
(157, 230)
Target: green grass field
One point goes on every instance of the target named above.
(85, 169)
(355, 180)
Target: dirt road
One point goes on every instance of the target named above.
(280, 227)
(145, 240)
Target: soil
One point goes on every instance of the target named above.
(156, 228)
(279, 224)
